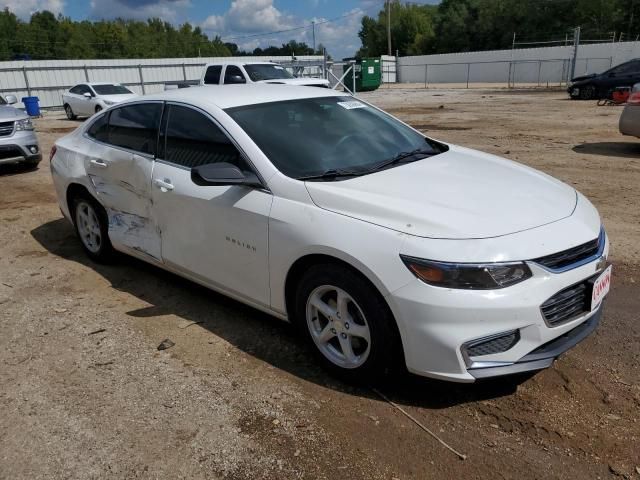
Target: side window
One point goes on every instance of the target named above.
(212, 75)
(135, 127)
(233, 74)
(192, 140)
(99, 128)
(76, 90)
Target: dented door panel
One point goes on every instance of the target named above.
(122, 182)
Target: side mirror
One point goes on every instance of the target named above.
(87, 95)
(11, 99)
(223, 173)
(237, 79)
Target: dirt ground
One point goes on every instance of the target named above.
(84, 392)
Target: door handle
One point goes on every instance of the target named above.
(164, 185)
(98, 163)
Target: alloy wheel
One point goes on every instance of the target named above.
(338, 326)
(88, 226)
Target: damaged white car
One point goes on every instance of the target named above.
(316, 207)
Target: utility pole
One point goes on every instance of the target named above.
(313, 25)
(576, 44)
(389, 26)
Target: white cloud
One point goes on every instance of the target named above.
(25, 8)
(172, 11)
(247, 17)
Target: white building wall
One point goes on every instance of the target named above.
(530, 65)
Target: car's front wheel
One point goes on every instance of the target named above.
(347, 323)
(69, 112)
(588, 92)
(91, 223)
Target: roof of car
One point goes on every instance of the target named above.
(242, 62)
(228, 96)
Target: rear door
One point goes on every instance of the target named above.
(119, 165)
(218, 234)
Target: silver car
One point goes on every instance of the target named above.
(18, 141)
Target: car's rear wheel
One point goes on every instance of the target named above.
(91, 223)
(347, 323)
(69, 112)
(588, 92)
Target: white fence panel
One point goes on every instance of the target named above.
(48, 79)
(530, 65)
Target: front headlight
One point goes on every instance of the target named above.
(109, 102)
(24, 124)
(470, 276)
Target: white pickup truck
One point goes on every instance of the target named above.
(224, 73)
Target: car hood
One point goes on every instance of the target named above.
(584, 77)
(298, 81)
(459, 194)
(9, 113)
(118, 98)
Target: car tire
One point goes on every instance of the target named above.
(587, 92)
(92, 227)
(357, 341)
(69, 112)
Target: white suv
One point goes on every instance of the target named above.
(225, 73)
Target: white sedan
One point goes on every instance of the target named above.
(319, 208)
(85, 99)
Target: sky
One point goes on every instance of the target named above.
(238, 21)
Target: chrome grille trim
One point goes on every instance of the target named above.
(574, 257)
(6, 129)
(568, 304)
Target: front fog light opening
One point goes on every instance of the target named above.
(490, 345)
(33, 149)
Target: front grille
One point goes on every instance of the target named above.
(492, 345)
(6, 129)
(560, 260)
(567, 304)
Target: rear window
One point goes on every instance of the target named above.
(135, 127)
(99, 128)
(212, 75)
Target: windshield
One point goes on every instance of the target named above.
(259, 72)
(311, 136)
(111, 89)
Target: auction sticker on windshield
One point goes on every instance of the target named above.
(601, 287)
(352, 104)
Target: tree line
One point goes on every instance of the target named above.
(472, 25)
(46, 36)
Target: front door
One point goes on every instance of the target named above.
(217, 234)
(119, 165)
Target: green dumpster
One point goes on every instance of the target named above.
(368, 75)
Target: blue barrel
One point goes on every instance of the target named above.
(32, 106)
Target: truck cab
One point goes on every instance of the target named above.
(225, 73)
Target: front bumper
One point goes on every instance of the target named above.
(436, 324)
(543, 356)
(16, 148)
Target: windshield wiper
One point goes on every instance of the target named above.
(331, 175)
(400, 157)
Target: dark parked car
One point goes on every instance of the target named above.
(601, 85)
